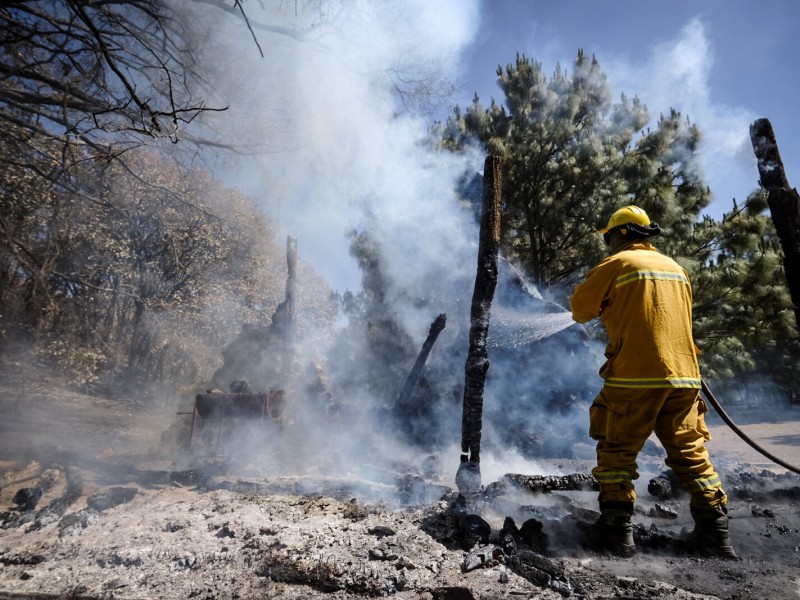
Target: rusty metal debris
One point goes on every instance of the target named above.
(219, 406)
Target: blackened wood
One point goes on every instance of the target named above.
(770, 165)
(542, 484)
(436, 328)
(784, 204)
(477, 363)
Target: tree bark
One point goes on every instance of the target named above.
(784, 204)
(477, 364)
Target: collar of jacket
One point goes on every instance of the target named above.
(636, 245)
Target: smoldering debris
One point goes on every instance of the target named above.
(759, 511)
(530, 535)
(268, 535)
(108, 498)
(539, 484)
(664, 486)
(27, 498)
(756, 487)
(58, 506)
(660, 511)
(766, 486)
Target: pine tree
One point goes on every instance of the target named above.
(743, 317)
(571, 157)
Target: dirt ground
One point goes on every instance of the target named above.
(96, 501)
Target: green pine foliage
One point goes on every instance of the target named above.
(744, 319)
(572, 156)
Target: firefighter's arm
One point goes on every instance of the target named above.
(591, 296)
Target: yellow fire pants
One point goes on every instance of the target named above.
(621, 420)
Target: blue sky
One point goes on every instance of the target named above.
(724, 63)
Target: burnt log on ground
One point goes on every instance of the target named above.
(477, 365)
(542, 484)
(784, 204)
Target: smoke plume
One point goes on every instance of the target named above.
(334, 120)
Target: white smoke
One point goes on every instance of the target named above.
(340, 145)
(676, 74)
(333, 114)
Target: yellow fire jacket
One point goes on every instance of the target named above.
(644, 299)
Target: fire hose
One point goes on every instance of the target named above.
(729, 422)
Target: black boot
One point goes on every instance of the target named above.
(711, 532)
(613, 531)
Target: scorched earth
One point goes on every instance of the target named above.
(99, 501)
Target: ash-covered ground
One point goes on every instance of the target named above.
(98, 500)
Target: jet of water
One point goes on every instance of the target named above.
(511, 328)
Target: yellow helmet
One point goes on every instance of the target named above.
(627, 215)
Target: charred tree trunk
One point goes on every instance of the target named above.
(477, 365)
(411, 380)
(291, 297)
(784, 204)
(283, 324)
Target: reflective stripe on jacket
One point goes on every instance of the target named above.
(645, 301)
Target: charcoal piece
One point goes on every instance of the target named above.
(381, 531)
(471, 530)
(482, 557)
(509, 536)
(664, 486)
(27, 498)
(532, 535)
(111, 497)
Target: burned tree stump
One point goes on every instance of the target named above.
(477, 365)
(262, 357)
(784, 204)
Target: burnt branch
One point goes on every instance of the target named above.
(436, 328)
(784, 204)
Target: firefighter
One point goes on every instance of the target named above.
(651, 384)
